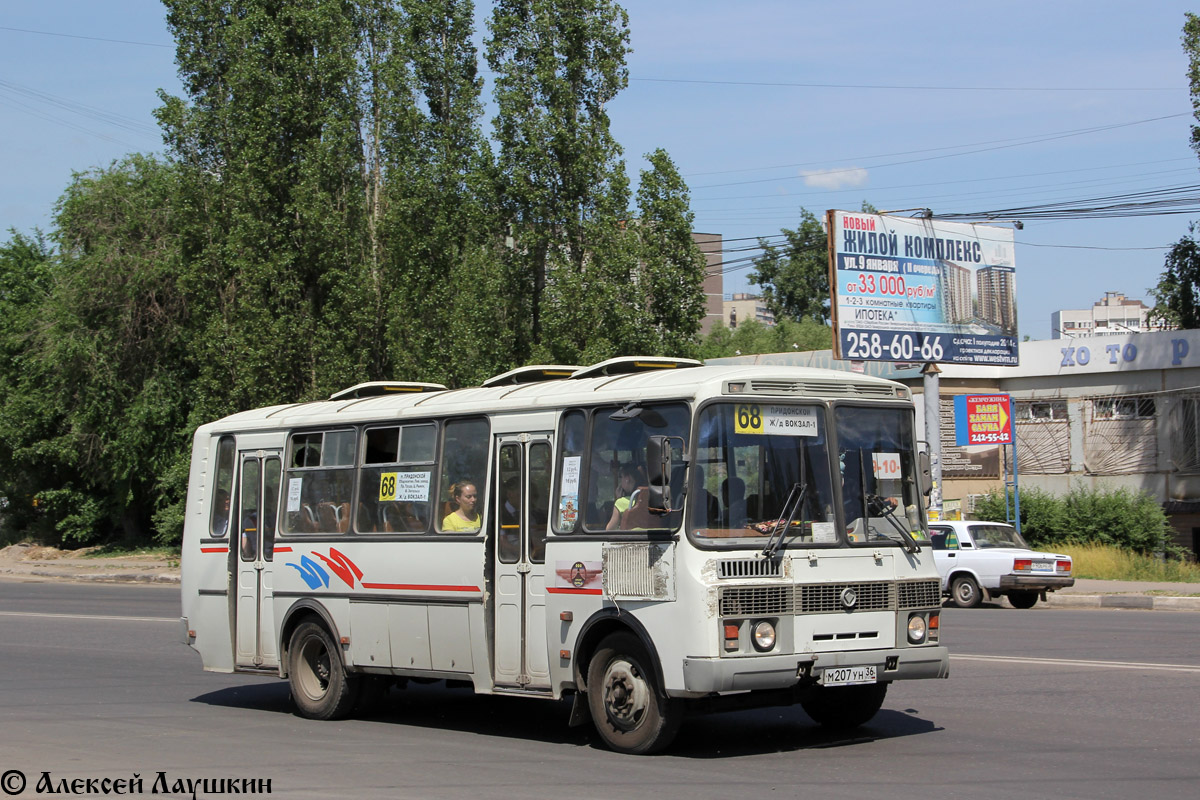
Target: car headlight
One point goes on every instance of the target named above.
(916, 629)
(764, 636)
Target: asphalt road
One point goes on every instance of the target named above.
(1043, 703)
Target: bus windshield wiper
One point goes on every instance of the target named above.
(885, 510)
(792, 506)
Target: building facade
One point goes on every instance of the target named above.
(741, 307)
(1115, 315)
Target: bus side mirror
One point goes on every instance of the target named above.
(660, 462)
(926, 471)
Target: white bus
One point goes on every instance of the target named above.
(652, 536)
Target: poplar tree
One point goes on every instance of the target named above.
(558, 64)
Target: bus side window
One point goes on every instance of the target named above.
(223, 488)
(570, 466)
(396, 479)
(464, 461)
(320, 482)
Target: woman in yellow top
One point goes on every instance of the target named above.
(464, 519)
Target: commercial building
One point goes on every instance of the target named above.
(741, 307)
(1115, 315)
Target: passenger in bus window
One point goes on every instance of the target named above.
(626, 489)
(221, 516)
(464, 519)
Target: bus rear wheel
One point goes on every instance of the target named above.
(843, 708)
(321, 688)
(627, 708)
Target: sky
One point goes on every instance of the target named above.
(766, 108)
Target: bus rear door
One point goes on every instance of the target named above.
(257, 512)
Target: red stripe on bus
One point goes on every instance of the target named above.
(214, 549)
(419, 587)
(564, 590)
(283, 549)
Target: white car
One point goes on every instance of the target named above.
(977, 557)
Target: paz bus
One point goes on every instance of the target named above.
(650, 537)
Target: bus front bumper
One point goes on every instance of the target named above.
(708, 675)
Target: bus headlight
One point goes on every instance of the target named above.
(916, 629)
(764, 636)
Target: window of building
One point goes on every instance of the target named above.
(1123, 408)
(1040, 411)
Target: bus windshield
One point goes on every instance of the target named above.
(877, 463)
(750, 457)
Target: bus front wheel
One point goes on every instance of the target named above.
(628, 711)
(321, 688)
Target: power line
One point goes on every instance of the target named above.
(1037, 140)
(88, 38)
(915, 87)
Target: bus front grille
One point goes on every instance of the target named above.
(814, 598)
(920, 594)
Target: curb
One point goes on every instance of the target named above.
(98, 577)
(1143, 602)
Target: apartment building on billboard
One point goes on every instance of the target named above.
(956, 293)
(996, 293)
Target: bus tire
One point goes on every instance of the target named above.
(843, 708)
(627, 708)
(965, 592)
(321, 687)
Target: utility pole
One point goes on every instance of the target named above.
(933, 433)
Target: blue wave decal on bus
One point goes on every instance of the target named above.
(312, 572)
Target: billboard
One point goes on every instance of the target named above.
(915, 289)
(982, 419)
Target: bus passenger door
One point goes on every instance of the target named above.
(257, 512)
(521, 518)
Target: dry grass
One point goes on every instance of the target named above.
(1112, 564)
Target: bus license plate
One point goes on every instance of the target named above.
(847, 676)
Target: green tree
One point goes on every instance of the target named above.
(275, 245)
(558, 64)
(28, 413)
(1176, 297)
(794, 276)
(671, 266)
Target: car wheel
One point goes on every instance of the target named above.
(965, 592)
(627, 709)
(843, 708)
(1023, 599)
(321, 688)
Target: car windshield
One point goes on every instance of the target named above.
(997, 536)
(878, 474)
(750, 458)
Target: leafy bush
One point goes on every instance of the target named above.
(1120, 517)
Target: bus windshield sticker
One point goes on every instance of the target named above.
(824, 533)
(294, 486)
(886, 465)
(775, 420)
(568, 503)
(412, 487)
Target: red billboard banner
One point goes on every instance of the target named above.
(982, 419)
